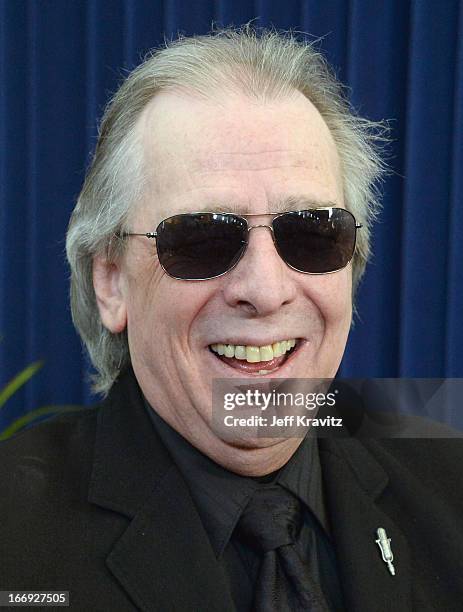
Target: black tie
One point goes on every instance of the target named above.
(271, 523)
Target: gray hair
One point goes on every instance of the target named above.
(262, 64)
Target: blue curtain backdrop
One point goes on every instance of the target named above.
(60, 60)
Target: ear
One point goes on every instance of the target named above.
(109, 297)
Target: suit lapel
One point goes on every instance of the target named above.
(353, 481)
(164, 559)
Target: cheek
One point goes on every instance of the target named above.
(144, 284)
(333, 297)
(162, 311)
(143, 290)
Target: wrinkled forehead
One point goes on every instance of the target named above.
(231, 144)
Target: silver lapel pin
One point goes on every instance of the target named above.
(384, 544)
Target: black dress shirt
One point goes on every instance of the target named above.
(221, 496)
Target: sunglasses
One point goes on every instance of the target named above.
(204, 245)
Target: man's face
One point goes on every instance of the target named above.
(251, 157)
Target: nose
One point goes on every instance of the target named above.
(261, 283)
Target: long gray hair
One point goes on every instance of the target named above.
(264, 65)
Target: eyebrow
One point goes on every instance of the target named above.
(283, 205)
(301, 203)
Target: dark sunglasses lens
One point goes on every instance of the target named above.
(316, 241)
(200, 245)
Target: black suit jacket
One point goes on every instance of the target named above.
(92, 503)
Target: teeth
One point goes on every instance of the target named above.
(277, 352)
(266, 353)
(255, 354)
(252, 354)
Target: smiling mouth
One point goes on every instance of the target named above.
(259, 360)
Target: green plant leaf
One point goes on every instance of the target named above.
(27, 418)
(19, 381)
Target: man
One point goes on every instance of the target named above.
(221, 232)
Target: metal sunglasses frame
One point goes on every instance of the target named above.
(243, 217)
